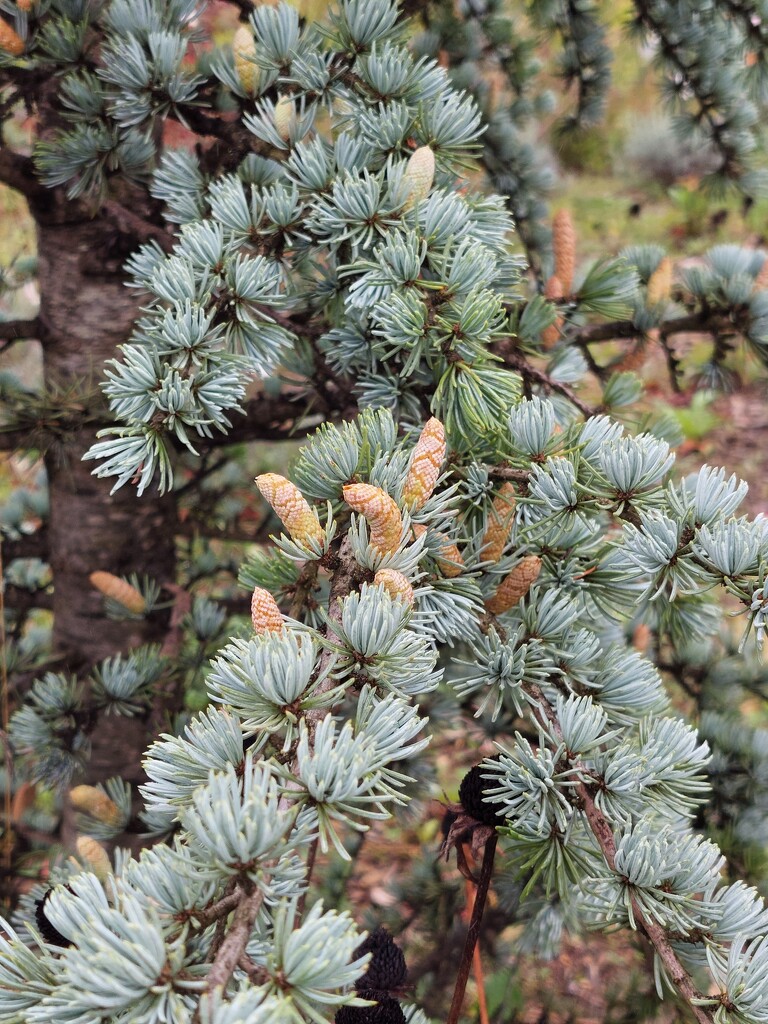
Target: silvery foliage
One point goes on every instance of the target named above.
(242, 815)
(311, 728)
(311, 731)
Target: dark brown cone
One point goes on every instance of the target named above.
(386, 1011)
(44, 926)
(471, 791)
(387, 969)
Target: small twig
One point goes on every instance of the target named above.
(517, 361)
(473, 931)
(233, 945)
(477, 962)
(219, 910)
(304, 586)
(311, 857)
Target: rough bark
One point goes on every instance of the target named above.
(85, 312)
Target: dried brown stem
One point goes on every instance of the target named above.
(467, 956)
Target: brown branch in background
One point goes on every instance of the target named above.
(467, 956)
(18, 172)
(304, 587)
(530, 374)
(20, 330)
(673, 363)
(20, 597)
(7, 842)
(622, 329)
(131, 224)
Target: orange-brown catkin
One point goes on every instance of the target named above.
(553, 290)
(395, 584)
(284, 117)
(94, 801)
(119, 590)
(515, 586)
(426, 462)
(660, 283)
(244, 47)
(293, 509)
(449, 560)
(265, 615)
(94, 856)
(633, 359)
(564, 248)
(380, 511)
(10, 41)
(418, 177)
(499, 524)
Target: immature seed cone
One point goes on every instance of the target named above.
(515, 586)
(395, 584)
(564, 248)
(499, 524)
(641, 637)
(94, 856)
(418, 177)
(244, 46)
(284, 117)
(553, 290)
(95, 802)
(660, 283)
(386, 970)
(426, 462)
(471, 791)
(386, 1011)
(10, 41)
(380, 511)
(293, 509)
(44, 926)
(119, 590)
(449, 561)
(265, 615)
(634, 359)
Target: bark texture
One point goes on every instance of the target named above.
(85, 312)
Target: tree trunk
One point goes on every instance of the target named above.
(86, 311)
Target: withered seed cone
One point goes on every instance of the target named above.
(386, 1011)
(387, 968)
(44, 926)
(471, 790)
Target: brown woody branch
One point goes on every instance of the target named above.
(622, 329)
(20, 330)
(130, 223)
(20, 597)
(232, 948)
(18, 172)
(530, 374)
